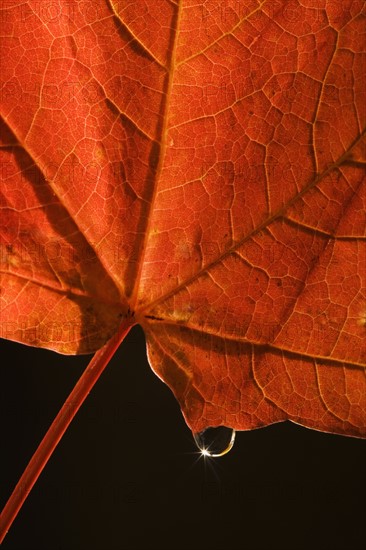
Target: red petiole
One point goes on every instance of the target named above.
(58, 427)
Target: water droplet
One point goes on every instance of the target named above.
(215, 441)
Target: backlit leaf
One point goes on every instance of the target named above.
(196, 167)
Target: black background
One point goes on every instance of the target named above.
(128, 476)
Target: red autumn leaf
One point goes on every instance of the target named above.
(196, 168)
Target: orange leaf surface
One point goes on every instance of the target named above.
(197, 168)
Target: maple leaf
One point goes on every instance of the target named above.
(210, 183)
(197, 168)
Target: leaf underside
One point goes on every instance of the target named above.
(199, 168)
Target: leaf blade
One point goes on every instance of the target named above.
(216, 180)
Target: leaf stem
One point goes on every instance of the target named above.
(58, 427)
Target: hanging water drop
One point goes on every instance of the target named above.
(215, 441)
